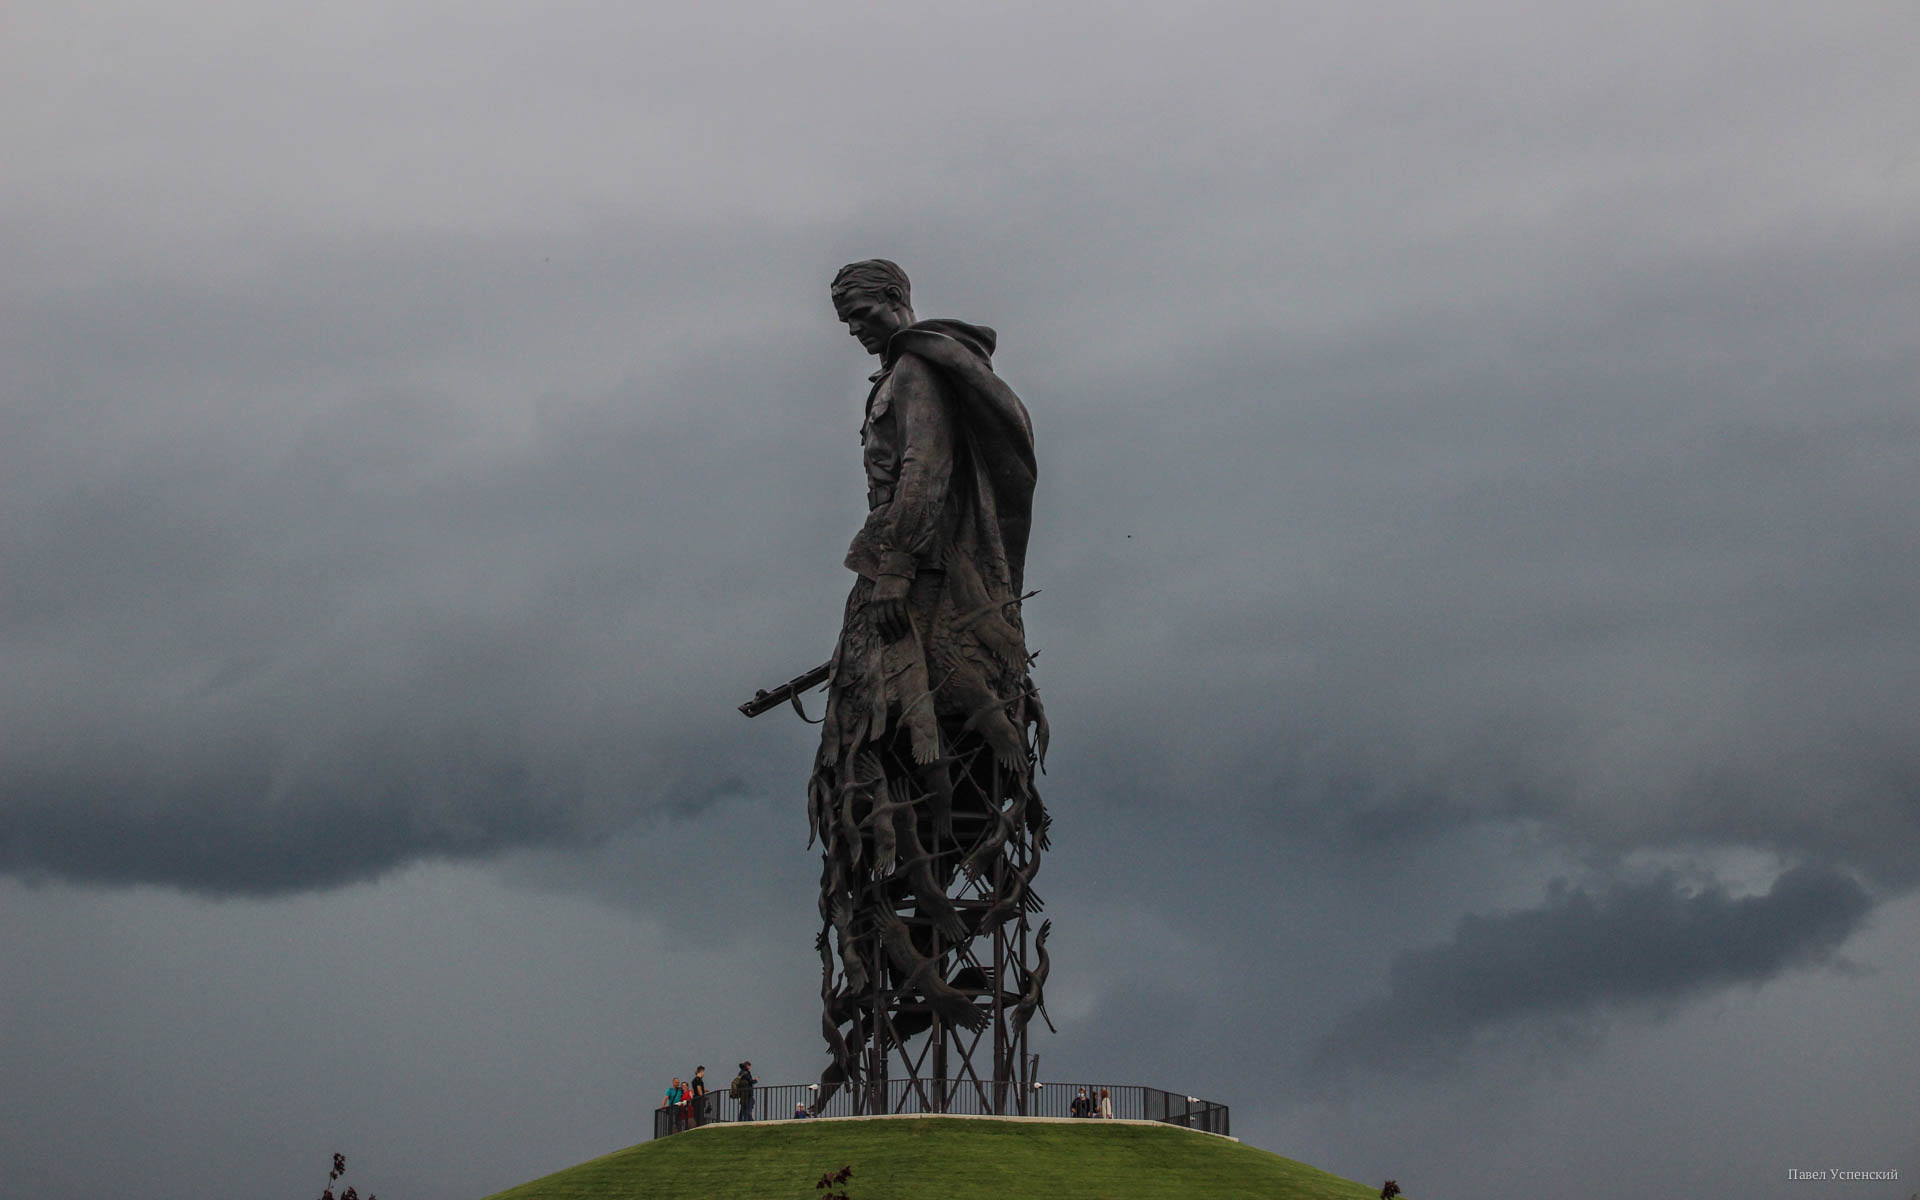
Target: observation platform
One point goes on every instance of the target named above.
(772, 1103)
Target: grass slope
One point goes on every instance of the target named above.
(943, 1159)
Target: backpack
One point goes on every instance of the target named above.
(740, 1086)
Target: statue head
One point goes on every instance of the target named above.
(875, 300)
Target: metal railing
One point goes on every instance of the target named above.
(775, 1102)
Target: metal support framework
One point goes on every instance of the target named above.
(930, 970)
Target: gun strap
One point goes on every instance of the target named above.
(794, 698)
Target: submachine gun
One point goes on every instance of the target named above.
(789, 693)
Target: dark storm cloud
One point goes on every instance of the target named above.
(1582, 955)
(268, 629)
(1584, 578)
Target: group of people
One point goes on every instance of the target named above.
(1084, 1105)
(687, 1106)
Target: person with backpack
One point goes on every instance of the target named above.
(742, 1090)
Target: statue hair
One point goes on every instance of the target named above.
(873, 275)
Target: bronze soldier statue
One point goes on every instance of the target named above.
(923, 793)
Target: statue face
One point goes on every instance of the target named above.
(873, 317)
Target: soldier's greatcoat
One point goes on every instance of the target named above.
(949, 458)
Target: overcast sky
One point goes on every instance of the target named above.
(1476, 533)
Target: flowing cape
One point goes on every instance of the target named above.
(991, 420)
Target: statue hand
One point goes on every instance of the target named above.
(890, 606)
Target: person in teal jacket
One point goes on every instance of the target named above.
(674, 1104)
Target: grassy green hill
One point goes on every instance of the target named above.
(936, 1158)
